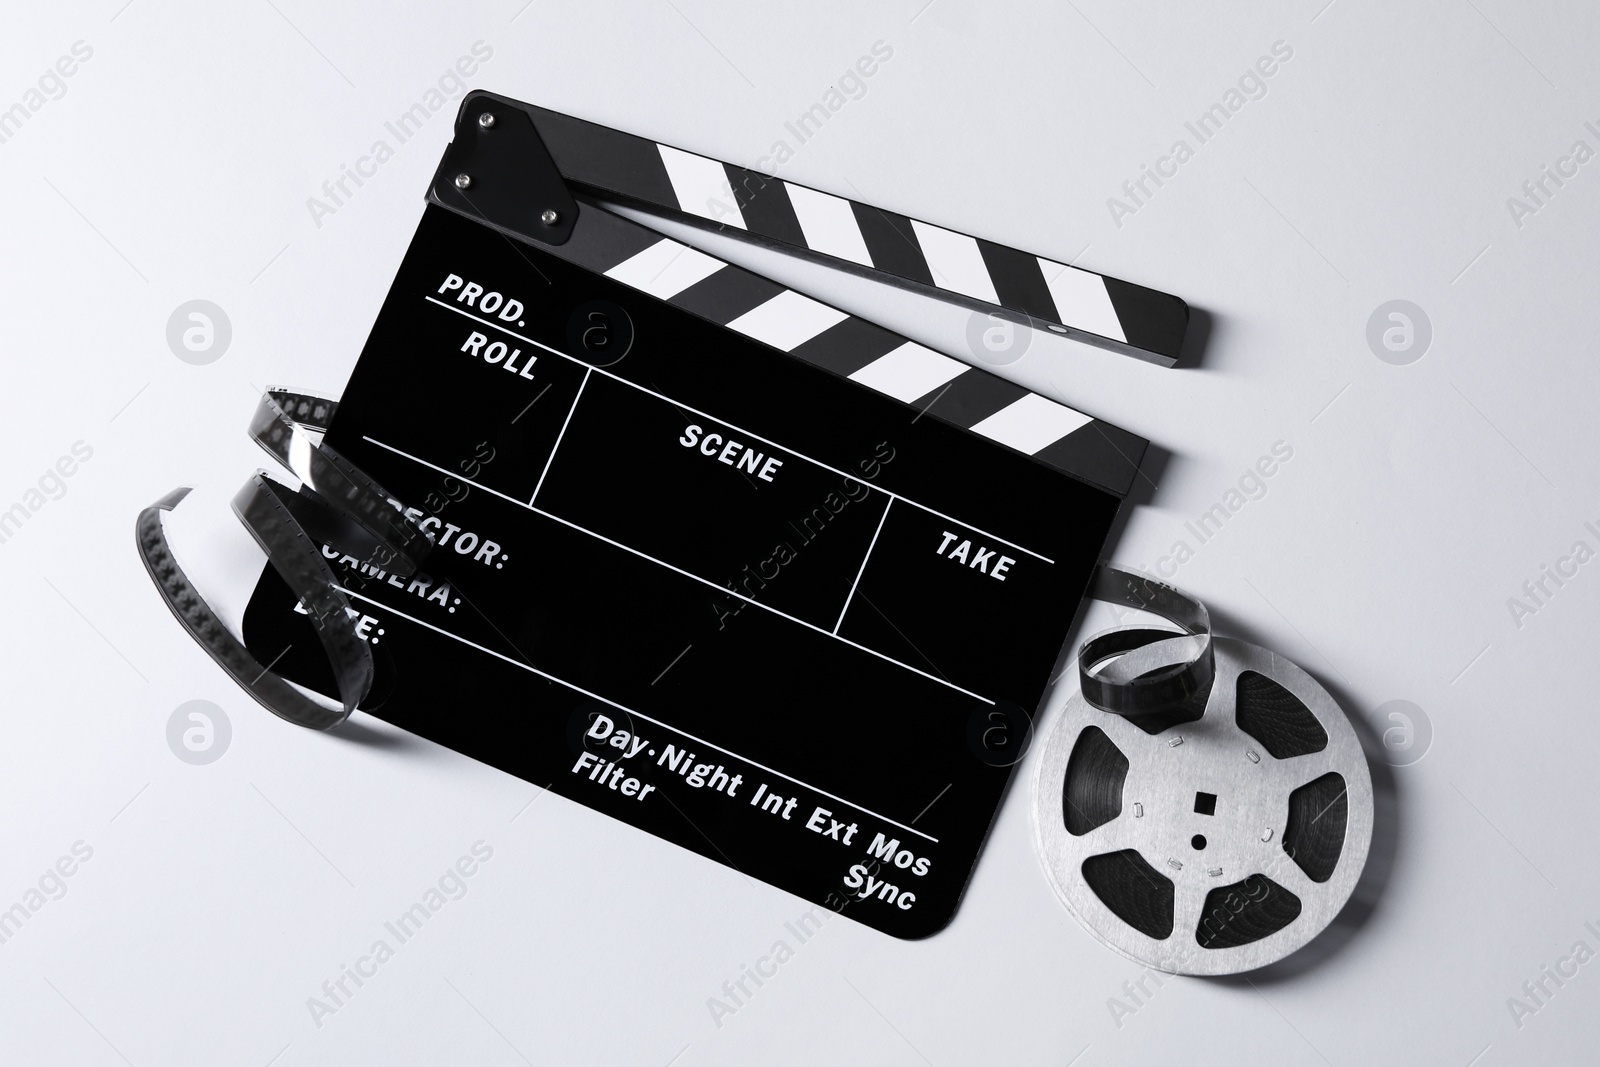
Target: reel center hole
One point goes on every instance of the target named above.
(1204, 804)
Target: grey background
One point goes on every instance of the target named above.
(176, 165)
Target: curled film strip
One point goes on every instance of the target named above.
(1203, 806)
(339, 506)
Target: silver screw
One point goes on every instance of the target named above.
(550, 217)
(486, 120)
(463, 181)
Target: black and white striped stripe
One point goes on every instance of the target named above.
(908, 252)
(854, 348)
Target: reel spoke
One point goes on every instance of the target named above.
(1222, 856)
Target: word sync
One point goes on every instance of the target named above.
(863, 877)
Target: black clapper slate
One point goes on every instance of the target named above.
(824, 655)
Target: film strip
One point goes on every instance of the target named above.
(1203, 806)
(337, 505)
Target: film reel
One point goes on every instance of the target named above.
(1204, 834)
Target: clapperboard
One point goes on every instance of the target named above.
(721, 561)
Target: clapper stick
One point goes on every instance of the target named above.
(517, 168)
(848, 234)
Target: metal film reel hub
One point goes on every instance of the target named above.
(1216, 845)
